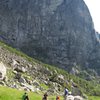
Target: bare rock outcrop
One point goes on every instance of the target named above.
(58, 32)
(2, 71)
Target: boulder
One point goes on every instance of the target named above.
(78, 98)
(35, 83)
(15, 62)
(2, 83)
(70, 97)
(22, 80)
(3, 70)
(20, 69)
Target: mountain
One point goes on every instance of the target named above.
(57, 32)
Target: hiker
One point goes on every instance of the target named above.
(57, 98)
(25, 96)
(65, 94)
(45, 96)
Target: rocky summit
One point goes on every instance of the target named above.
(58, 32)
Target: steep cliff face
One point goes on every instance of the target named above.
(58, 32)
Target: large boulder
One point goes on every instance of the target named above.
(3, 70)
(78, 98)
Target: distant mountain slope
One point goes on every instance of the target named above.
(58, 32)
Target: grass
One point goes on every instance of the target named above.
(10, 94)
(44, 86)
(14, 94)
(94, 97)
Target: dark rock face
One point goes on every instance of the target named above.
(58, 32)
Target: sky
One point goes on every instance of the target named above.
(94, 8)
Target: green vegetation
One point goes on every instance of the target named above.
(13, 94)
(44, 86)
(94, 97)
(18, 53)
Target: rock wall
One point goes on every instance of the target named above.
(58, 32)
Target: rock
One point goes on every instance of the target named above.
(46, 71)
(22, 80)
(14, 85)
(29, 87)
(29, 81)
(51, 91)
(58, 32)
(70, 97)
(61, 77)
(2, 83)
(2, 70)
(29, 65)
(15, 62)
(20, 69)
(15, 72)
(74, 71)
(78, 98)
(35, 83)
(18, 75)
(24, 69)
(5, 79)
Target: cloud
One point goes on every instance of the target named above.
(94, 7)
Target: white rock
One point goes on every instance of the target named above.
(15, 62)
(70, 97)
(2, 70)
(78, 98)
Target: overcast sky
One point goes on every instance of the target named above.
(94, 8)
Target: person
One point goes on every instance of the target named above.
(25, 96)
(57, 98)
(45, 96)
(65, 94)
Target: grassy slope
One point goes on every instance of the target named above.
(13, 94)
(87, 87)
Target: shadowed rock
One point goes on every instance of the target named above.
(58, 32)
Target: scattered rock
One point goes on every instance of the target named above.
(22, 80)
